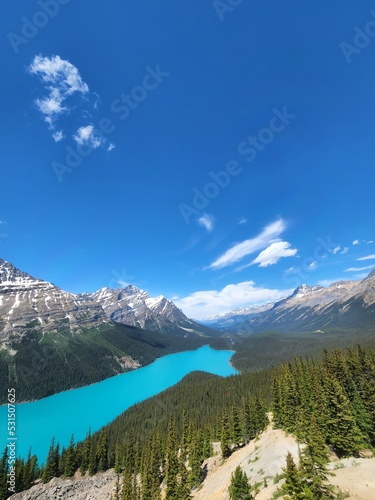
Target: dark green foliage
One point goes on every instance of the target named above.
(237, 430)
(338, 392)
(70, 465)
(292, 486)
(239, 488)
(225, 437)
(51, 469)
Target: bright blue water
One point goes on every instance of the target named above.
(77, 410)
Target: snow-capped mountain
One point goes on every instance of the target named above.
(133, 306)
(28, 303)
(309, 308)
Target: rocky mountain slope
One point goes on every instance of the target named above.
(345, 304)
(28, 303)
(133, 306)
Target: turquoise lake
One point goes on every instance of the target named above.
(77, 410)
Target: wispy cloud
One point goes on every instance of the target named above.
(60, 79)
(344, 250)
(243, 220)
(207, 303)
(207, 221)
(367, 257)
(357, 269)
(272, 254)
(355, 242)
(240, 250)
(336, 249)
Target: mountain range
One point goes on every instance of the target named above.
(30, 304)
(344, 304)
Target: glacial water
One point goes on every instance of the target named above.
(77, 410)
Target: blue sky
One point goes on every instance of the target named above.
(218, 155)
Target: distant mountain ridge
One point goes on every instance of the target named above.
(344, 304)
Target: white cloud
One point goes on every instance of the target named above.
(86, 135)
(336, 249)
(367, 257)
(243, 220)
(58, 136)
(356, 269)
(207, 303)
(345, 250)
(240, 250)
(355, 242)
(272, 254)
(61, 79)
(369, 241)
(313, 265)
(207, 221)
(110, 147)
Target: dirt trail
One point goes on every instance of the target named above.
(263, 459)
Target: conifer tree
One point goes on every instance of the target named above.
(127, 492)
(172, 465)
(292, 485)
(344, 434)
(51, 469)
(313, 460)
(195, 460)
(237, 432)
(239, 488)
(30, 471)
(102, 451)
(225, 436)
(86, 453)
(70, 464)
(3, 474)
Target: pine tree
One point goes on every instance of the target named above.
(70, 463)
(292, 485)
(127, 492)
(172, 466)
(225, 436)
(313, 460)
(86, 454)
(344, 434)
(102, 451)
(237, 432)
(30, 471)
(239, 488)
(3, 474)
(195, 459)
(51, 469)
